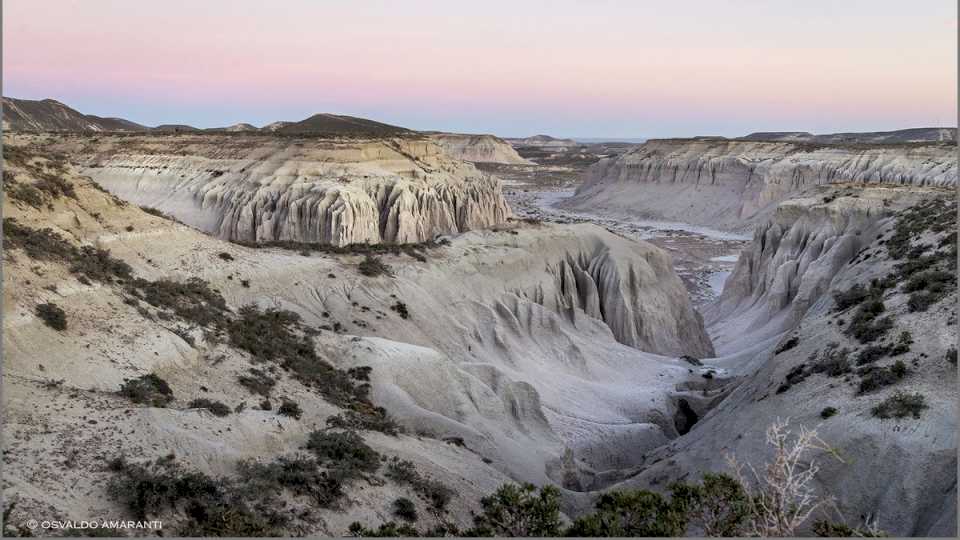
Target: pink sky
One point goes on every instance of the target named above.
(602, 68)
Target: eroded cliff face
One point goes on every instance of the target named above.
(732, 184)
(333, 191)
(795, 354)
(479, 148)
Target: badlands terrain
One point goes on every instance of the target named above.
(307, 322)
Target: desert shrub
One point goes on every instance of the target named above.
(827, 412)
(216, 407)
(872, 353)
(631, 513)
(932, 280)
(52, 315)
(405, 509)
(851, 297)
(299, 474)
(865, 326)
(401, 309)
(951, 355)
(56, 187)
(830, 529)
(519, 510)
(258, 382)
(290, 408)
(345, 451)
(147, 389)
(204, 505)
(360, 373)
(787, 345)
(47, 245)
(375, 419)
(877, 378)
(922, 301)
(192, 300)
(225, 256)
(24, 192)
(901, 405)
(794, 376)
(406, 473)
(373, 266)
(902, 345)
(389, 529)
(717, 507)
(834, 362)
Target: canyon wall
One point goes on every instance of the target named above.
(732, 184)
(330, 191)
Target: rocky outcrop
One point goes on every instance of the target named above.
(912, 135)
(732, 184)
(478, 148)
(331, 191)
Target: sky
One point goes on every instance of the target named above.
(601, 68)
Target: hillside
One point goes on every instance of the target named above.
(912, 135)
(478, 148)
(337, 124)
(51, 115)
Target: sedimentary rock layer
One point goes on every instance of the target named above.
(479, 148)
(732, 184)
(333, 191)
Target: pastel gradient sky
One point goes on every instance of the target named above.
(628, 68)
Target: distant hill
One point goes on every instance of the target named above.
(336, 124)
(543, 141)
(912, 135)
(51, 115)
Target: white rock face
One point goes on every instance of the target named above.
(479, 148)
(731, 184)
(262, 188)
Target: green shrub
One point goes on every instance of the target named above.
(203, 505)
(298, 474)
(877, 378)
(405, 472)
(215, 407)
(865, 326)
(375, 420)
(827, 412)
(717, 507)
(23, 192)
(519, 510)
(373, 266)
(46, 245)
(258, 382)
(631, 513)
(147, 389)
(405, 509)
(192, 300)
(872, 353)
(401, 309)
(343, 450)
(52, 315)
(290, 408)
(386, 530)
(787, 345)
(901, 405)
(829, 529)
(834, 362)
(922, 301)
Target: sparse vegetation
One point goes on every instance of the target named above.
(901, 405)
(216, 407)
(787, 345)
(827, 412)
(405, 472)
(405, 509)
(401, 309)
(225, 256)
(290, 408)
(876, 378)
(344, 451)
(52, 315)
(147, 389)
(519, 510)
(373, 266)
(258, 382)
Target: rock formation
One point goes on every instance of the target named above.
(51, 115)
(732, 184)
(478, 148)
(331, 191)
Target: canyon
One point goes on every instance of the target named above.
(519, 336)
